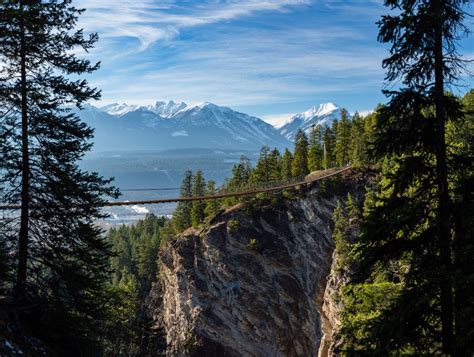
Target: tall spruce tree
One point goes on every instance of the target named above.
(212, 206)
(275, 165)
(343, 139)
(315, 151)
(263, 169)
(286, 165)
(411, 220)
(329, 144)
(61, 257)
(198, 207)
(300, 158)
(182, 213)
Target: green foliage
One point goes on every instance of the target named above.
(286, 165)
(315, 151)
(198, 207)
(233, 224)
(346, 223)
(263, 171)
(252, 244)
(212, 206)
(60, 254)
(300, 158)
(408, 286)
(329, 145)
(343, 140)
(182, 213)
(135, 267)
(364, 304)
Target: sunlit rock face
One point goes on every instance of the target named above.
(252, 282)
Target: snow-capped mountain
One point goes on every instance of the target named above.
(322, 114)
(162, 108)
(170, 125)
(166, 109)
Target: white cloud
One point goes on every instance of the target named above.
(149, 21)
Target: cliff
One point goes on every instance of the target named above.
(254, 280)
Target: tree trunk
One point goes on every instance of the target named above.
(444, 216)
(25, 185)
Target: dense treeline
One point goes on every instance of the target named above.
(345, 141)
(410, 270)
(391, 303)
(134, 266)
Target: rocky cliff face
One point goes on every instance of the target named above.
(253, 281)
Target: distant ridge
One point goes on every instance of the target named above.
(171, 125)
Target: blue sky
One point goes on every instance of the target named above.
(269, 58)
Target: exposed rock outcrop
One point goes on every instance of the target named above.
(253, 282)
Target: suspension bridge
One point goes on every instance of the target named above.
(272, 187)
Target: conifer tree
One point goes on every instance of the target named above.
(343, 139)
(300, 159)
(356, 149)
(315, 152)
(275, 165)
(212, 206)
(329, 143)
(263, 169)
(198, 207)
(61, 257)
(241, 173)
(182, 214)
(412, 220)
(286, 165)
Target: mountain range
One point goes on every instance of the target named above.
(171, 125)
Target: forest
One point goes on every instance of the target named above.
(67, 288)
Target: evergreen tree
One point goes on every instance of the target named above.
(182, 214)
(329, 144)
(356, 149)
(212, 206)
(148, 246)
(241, 173)
(263, 170)
(275, 165)
(300, 160)
(286, 165)
(315, 152)
(61, 255)
(343, 139)
(411, 222)
(198, 207)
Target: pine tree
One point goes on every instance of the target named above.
(411, 220)
(182, 214)
(286, 165)
(61, 255)
(212, 206)
(198, 207)
(275, 165)
(343, 139)
(300, 159)
(241, 173)
(357, 148)
(315, 152)
(263, 169)
(329, 143)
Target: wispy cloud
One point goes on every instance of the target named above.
(149, 21)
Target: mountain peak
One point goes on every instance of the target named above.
(321, 114)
